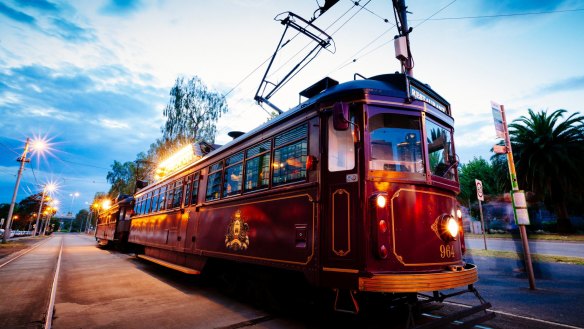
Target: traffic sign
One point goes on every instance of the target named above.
(479, 185)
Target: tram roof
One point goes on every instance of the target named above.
(391, 85)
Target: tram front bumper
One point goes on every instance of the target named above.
(402, 283)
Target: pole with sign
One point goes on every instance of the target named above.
(518, 197)
(481, 197)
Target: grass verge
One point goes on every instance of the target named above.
(534, 257)
(549, 237)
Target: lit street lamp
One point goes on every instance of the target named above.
(49, 187)
(37, 145)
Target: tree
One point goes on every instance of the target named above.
(548, 158)
(122, 177)
(192, 112)
(477, 168)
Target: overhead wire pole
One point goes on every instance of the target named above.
(401, 11)
(22, 161)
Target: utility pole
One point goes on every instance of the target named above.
(517, 196)
(403, 42)
(36, 227)
(22, 161)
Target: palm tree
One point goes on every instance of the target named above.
(549, 157)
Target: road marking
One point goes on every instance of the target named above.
(49, 318)
(521, 316)
(24, 252)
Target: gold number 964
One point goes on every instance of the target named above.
(446, 251)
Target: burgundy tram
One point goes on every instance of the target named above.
(355, 188)
(113, 223)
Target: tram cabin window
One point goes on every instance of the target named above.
(162, 199)
(441, 153)
(341, 148)
(195, 190)
(396, 143)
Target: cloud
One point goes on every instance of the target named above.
(570, 84)
(16, 15)
(72, 32)
(39, 4)
(121, 7)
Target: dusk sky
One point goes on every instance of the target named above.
(94, 76)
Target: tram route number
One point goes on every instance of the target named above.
(447, 251)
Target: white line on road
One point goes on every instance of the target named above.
(49, 318)
(521, 316)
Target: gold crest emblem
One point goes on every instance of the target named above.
(236, 238)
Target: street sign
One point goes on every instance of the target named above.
(498, 117)
(500, 149)
(479, 185)
(520, 208)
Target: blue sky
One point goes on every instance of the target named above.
(94, 76)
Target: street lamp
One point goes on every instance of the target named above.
(49, 187)
(38, 145)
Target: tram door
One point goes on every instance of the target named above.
(339, 196)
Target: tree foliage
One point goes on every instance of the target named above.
(192, 112)
(477, 168)
(548, 158)
(122, 177)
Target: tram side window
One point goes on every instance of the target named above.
(147, 203)
(440, 150)
(155, 197)
(195, 190)
(232, 175)
(178, 193)
(290, 152)
(214, 181)
(169, 195)
(162, 199)
(187, 190)
(257, 166)
(396, 143)
(341, 148)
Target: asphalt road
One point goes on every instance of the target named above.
(108, 289)
(25, 286)
(553, 248)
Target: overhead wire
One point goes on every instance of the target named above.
(504, 15)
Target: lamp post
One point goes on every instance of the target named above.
(73, 196)
(50, 187)
(22, 161)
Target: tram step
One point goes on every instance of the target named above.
(164, 263)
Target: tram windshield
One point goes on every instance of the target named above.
(396, 145)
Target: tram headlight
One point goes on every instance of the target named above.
(381, 201)
(450, 228)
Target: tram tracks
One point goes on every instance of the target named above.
(22, 253)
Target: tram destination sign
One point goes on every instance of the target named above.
(422, 96)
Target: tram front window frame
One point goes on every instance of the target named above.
(401, 146)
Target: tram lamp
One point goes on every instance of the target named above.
(449, 228)
(381, 201)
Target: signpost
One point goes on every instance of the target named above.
(518, 197)
(481, 197)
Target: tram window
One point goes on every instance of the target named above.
(195, 190)
(162, 199)
(232, 175)
(147, 203)
(178, 189)
(187, 190)
(214, 182)
(440, 150)
(396, 143)
(169, 195)
(155, 200)
(290, 160)
(257, 166)
(341, 148)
